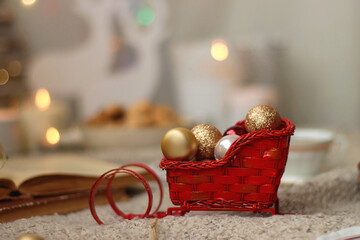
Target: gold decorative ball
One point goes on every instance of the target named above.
(262, 117)
(207, 136)
(29, 236)
(179, 144)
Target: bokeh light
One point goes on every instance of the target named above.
(42, 99)
(219, 50)
(4, 76)
(145, 16)
(14, 68)
(52, 136)
(28, 2)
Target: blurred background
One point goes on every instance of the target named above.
(211, 61)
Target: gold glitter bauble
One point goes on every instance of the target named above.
(262, 117)
(207, 136)
(29, 236)
(179, 144)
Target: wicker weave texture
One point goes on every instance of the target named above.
(250, 172)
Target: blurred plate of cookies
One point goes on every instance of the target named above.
(142, 124)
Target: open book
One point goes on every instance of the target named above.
(56, 174)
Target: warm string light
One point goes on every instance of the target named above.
(52, 136)
(28, 2)
(219, 50)
(4, 76)
(42, 99)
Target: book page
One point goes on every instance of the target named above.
(21, 169)
(6, 187)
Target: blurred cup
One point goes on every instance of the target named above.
(309, 152)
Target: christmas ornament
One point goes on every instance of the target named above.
(235, 130)
(207, 136)
(223, 145)
(29, 236)
(179, 144)
(262, 117)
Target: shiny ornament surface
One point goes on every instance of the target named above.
(262, 117)
(223, 146)
(235, 130)
(29, 236)
(207, 136)
(179, 144)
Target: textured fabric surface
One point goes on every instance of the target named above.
(327, 203)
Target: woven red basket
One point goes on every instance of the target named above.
(246, 179)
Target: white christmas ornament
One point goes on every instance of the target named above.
(223, 145)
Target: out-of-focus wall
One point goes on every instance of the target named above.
(320, 83)
(320, 80)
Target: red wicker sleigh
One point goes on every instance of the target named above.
(246, 179)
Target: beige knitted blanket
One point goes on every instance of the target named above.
(327, 203)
